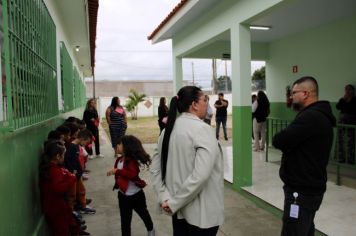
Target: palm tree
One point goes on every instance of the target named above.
(132, 104)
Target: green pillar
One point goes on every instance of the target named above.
(177, 74)
(241, 102)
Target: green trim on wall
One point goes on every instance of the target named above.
(242, 152)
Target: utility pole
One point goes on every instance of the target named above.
(93, 83)
(193, 73)
(226, 86)
(214, 84)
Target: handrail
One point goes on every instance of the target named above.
(275, 125)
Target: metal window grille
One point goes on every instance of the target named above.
(29, 61)
(67, 79)
(79, 89)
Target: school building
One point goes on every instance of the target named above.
(295, 38)
(48, 47)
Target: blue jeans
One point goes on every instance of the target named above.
(219, 120)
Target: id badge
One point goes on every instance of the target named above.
(294, 211)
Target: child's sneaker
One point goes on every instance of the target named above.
(91, 157)
(85, 176)
(82, 232)
(88, 210)
(100, 155)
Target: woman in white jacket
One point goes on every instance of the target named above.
(187, 167)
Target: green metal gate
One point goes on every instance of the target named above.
(29, 83)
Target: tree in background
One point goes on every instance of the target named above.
(223, 84)
(259, 79)
(132, 104)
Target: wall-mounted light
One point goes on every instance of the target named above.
(77, 48)
(258, 27)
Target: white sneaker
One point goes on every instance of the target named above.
(91, 157)
(100, 155)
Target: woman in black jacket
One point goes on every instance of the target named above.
(259, 121)
(91, 120)
(162, 114)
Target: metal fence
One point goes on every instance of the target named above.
(342, 154)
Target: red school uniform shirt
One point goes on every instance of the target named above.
(53, 191)
(130, 172)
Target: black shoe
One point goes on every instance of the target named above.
(226, 139)
(83, 227)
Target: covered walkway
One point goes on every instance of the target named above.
(242, 217)
(336, 216)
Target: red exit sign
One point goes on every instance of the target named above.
(295, 69)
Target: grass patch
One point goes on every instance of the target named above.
(144, 128)
(147, 129)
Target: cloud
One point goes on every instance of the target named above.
(124, 53)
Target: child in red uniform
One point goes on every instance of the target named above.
(55, 182)
(131, 196)
(72, 163)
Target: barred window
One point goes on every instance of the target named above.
(29, 76)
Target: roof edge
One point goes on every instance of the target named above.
(93, 6)
(167, 19)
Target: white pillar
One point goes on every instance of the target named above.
(241, 65)
(177, 74)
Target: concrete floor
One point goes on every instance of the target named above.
(242, 217)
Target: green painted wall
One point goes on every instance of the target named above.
(20, 213)
(327, 53)
(281, 111)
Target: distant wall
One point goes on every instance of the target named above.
(143, 111)
(159, 88)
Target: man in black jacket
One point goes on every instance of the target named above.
(306, 145)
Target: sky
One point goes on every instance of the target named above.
(124, 53)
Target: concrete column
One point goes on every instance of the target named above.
(241, 102)
(177, 74)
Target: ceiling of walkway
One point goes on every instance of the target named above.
(74, 18)
(287, 18)
(293, 17)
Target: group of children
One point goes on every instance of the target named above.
(61, 180)
(62, 167)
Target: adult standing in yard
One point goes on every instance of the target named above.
(306, 145)
(347, 108)
(117, 121)
(260, 112)
(91, 120)
(221, 115)
(162, 114)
